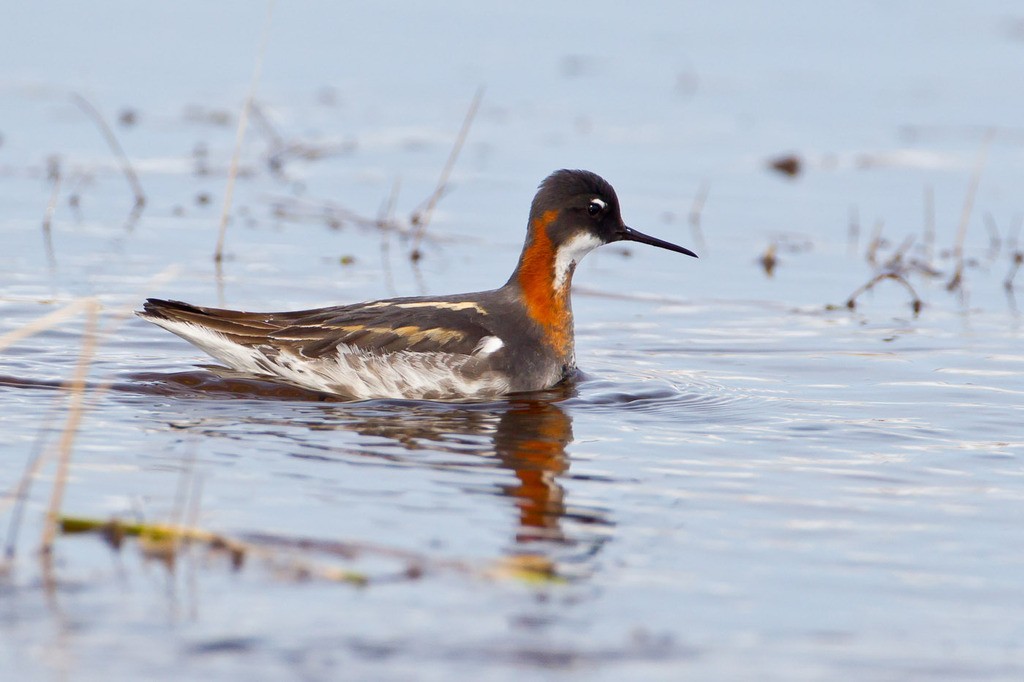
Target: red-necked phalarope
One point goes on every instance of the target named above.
(481, 345)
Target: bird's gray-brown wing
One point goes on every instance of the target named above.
(381, 327)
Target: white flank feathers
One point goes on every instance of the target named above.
(357, 373)
(488, 345)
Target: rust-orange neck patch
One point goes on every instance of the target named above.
(546, 305)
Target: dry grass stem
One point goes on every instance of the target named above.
(1016, 256)
(995, 242)
(19, 492)
(929, 223)
(853, 230)
(18, 495)
(115, 146)
(334, 215)
(123, 312)
(243, 121)
(915, 302)
(51, 208)
(421, 216)
(695, 214)
(1015, 263)
(1013, 233)
(281, 149)
(282, 554)
(384, 218)
(184, 488)
(965, 215)
(276, 139)
(769, 259)
(895, 261)
(76, 408)
(583, 290)
(45, 322)
(876, 243)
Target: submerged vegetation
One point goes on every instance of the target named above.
(913, 257)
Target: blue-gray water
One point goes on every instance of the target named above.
(749, 481)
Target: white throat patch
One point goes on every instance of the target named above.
(570, 253)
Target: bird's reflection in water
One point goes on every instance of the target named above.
(530, 440)
(526, 435)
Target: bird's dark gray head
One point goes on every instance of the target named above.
(571, 204)
(569, 201)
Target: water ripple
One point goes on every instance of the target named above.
(670, 394)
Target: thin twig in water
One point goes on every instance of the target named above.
(281, 150)
(853, 231)
(1014, 232)
(995, 243)
(895, 261)
(695, 213)
(1015, 263)
(192, 567)
(115, 146)
(769, 260)
(182, 505)
(44, 322)
(243, 120)
(184, 487)
(76, 408)
(385, 217)
(283, 554)
(1016, 256)
(258, 117)
(51, 208)
(75, 195)
(18, 495)
(417, 274)
(421, 216)
(48, 322)
(876, 242)
(915, 302)
(335, 215)
(965, 216)
(929, 223)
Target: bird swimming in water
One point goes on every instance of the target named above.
(518, 337)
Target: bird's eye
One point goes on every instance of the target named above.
(595, 207)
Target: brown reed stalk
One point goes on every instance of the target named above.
(51, 208)
(871, 255)
(965, 215)
(43, 323)
(696, 209)
(385, 217)
(20, 490)
(115, 146)
(421, 216)
(76, 408)
(929, 223)
(915, 303)
(853, 231)
(243, 122)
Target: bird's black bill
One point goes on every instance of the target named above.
(630, 235)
